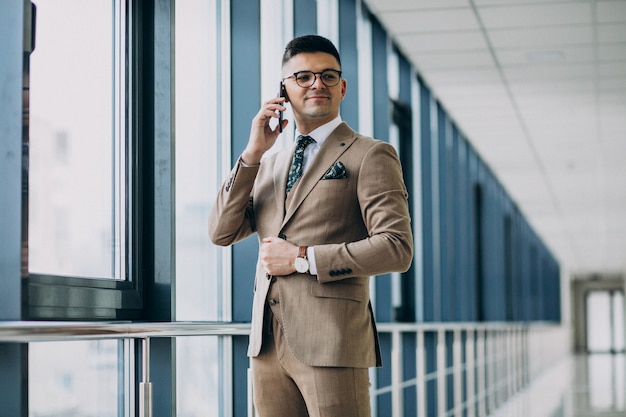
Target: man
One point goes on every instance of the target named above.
(321, 237)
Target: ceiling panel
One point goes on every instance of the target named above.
(612, 51)
(414, 44)
(456, 59)
(611, 11)
(420, 21)
(528, 56)
(555, 88)
(614, 69)
(613, 33)
(549, 72)
(542, 38)
(547, 115)
(515, 2)
(379, 6)
(536, 14)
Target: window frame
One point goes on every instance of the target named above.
(58, 297)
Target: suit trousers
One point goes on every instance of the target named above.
(283, 386)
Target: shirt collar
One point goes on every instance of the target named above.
(322, 133)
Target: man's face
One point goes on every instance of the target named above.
(317, 104)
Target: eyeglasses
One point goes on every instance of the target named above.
(305, 79)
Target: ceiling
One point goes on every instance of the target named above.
(539, 89)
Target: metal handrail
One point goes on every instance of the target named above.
(48, 331)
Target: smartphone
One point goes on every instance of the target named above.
(281, 93)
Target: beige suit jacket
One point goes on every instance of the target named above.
(359, 226)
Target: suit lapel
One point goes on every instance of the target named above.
(336, 144)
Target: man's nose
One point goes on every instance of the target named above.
(318, 83)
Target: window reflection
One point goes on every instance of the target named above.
(76, 139)
(75, 379)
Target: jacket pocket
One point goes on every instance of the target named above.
(343, 290)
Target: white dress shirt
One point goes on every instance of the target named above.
(320, 135)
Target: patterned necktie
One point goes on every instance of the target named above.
(295, 171)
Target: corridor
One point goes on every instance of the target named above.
(577, 386)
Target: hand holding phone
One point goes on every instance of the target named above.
(281, 93)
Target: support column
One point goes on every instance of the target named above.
(13, 356)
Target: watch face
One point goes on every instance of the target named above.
(301, 265)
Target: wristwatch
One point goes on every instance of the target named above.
(301, 263)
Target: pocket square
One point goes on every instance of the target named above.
(335, 172)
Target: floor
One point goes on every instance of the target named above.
(577, 386)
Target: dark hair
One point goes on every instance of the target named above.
(311, 44)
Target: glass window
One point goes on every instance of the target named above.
(618, 322)
(198, 160)
(605, 321)
(202, 285)
(85, 378)
(200, 381)
(276, 31)
(365, 79)
(77, 139)
(599, 321)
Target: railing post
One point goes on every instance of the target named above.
(498, 369)
(250, 394)
(396, 375)
(504, 372)
(458, 373)
(420, 374)
(520, 358)
(491, 367)
(441, 373)
(470, 375)
(145, 386)
(481, 369)
(510, 349)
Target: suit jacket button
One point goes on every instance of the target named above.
(273, 302)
